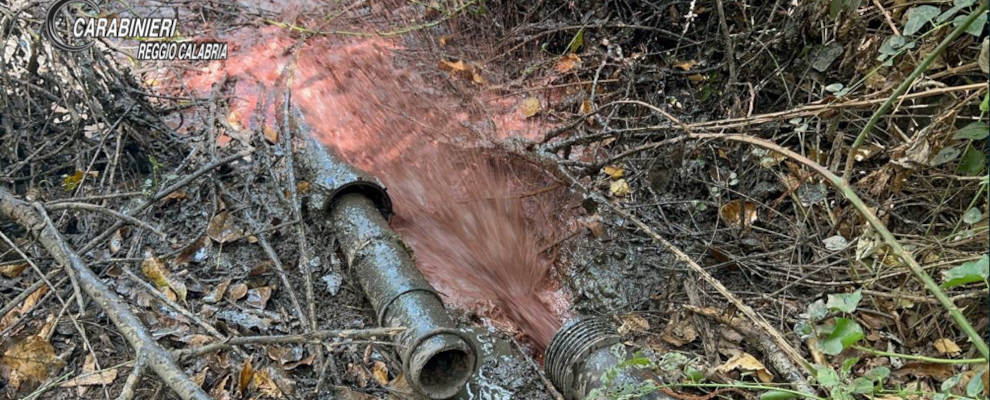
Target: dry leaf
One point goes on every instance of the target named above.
(90, 376)
(696, 78)
(986, 380)
(245, 377)
(175, 196)
(529, 107)
(685, 65)
(380, 372)
(567, 63)
(29, 302)
(682, 333)
(270, 134)
(196, 339)
(222, 229)
(302, 187)
(585, 107)
(345, 393)
(217, 293)
(263, 383)
(116, 242)
(154, 269)
(457, 66)
(200, 378)
(614, 172)
(219, 391)
(738, 212)
(196, 252)
(358, 374)
(746, 362)
(922, 369)
(633, 323)
(258, 297)
(31, 360)
(237, 291)
(946, 346)
(13, 270)
(619, 188)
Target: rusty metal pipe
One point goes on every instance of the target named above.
(437, 358)
(583, 350)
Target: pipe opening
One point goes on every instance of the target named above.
(444, 370)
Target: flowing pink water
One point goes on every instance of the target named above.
(464, 209)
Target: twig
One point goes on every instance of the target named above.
(785, 346)
(130, 327)
(730, 57)
(162, 193)
(311, 337)
(17, 300)
(103, 210)
(930, 360)
(130, 385)
(173, 305)
(920, 69)
(766, 345)
(895, 246)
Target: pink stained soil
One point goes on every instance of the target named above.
(464, 209)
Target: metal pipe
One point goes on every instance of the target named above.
(583, 350)
(437, 358)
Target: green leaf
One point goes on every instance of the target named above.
(972, 162)
(893, 45)
(817, 311)
(778, 395)
(974, 131)
(974, 388)
(945, 155)
(985, 105)
(862, 386)
(976, 28)
(956, 6)
(877, 374)
(972, 216)
(576, 42)
(847, 366)
(918, 16)
(970, 272)
(835, 87)
(826, 376)
(845, 302)
(846, 333)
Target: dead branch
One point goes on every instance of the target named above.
(139, 337)
(311, 337)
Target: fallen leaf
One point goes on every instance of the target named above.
(380, 372)
(947, 346)
(219, 391)
(237, 292)
(302, 186)
(154, 269)
(29, 302)
(739, 213)
(217, 292)
(345, 393)
(222, 229)
(116, 242)
(69, 182)
(245, 320)
(262, 381)
(922, 369)
(585, 107)
(696, 78)
(196, 339)
(458, 66)
(175, 196)
(30, 361)
(685, 65)
(619, 188)
(529, 107)
(567, 62)
(358, 374)
(245, 377)
(90, 376)
(196, 252)
(258, 297)
(986, 380)
(200, 378)
(270, 134)
(746, 362)
(614, 172)
(633, 323)
(13, 270)
(682, 333)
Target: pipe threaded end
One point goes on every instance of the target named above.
(579, 337)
